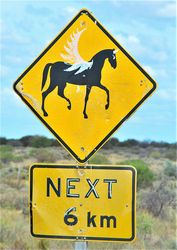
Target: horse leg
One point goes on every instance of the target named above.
(61, 93)
(88, 88)
(107, 92)
(44, 94)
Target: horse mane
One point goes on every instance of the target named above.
(102, 52)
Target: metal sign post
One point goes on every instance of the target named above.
(81, 245)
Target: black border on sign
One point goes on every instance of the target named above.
(84, 11)
(85, 238)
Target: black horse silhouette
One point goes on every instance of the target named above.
(60, 76)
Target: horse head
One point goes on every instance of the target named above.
(112, 58)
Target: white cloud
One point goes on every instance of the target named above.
(7, 94)
(161, 72)
(15, 38)
(167, 94)
(149, 70)
(135, 119)
(132, 43)
(169, 10)
(138, 47)
(4, 70)
(71, 10)
(116, 3)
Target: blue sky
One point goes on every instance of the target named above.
(145, 28)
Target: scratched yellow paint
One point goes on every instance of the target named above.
(127, 85)
(47, 212)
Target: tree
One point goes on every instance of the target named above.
(25, 140)
(3, 140)
(39, 141)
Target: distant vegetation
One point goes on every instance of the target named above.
(30, 141)
(156, 150)
(42, 141)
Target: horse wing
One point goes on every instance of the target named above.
(80, 67)
(72, 53)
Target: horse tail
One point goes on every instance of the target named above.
(45, 73)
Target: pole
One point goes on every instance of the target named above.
(80, 245)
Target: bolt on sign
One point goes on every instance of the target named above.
(85, 203)
(83, 86)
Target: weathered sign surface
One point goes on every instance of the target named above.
(85, 202)
(83, 86)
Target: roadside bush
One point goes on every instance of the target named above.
(172, 244)
(2, 165)
(6, 148)
(156, 155)
(43, 244)
(6, 153)
(171, 154)
(145, 224)
(170, 169)
(15, 231)
(145, 176)
(43, 155)
(14, 199)
(99, 159)
(158, 200)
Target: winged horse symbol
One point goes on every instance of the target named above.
(75, 70)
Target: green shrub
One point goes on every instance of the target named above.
(172, 244)
(170, 169)
(99, 159)
(156, 155)
(43, 244)
(6, 148)
(6, 153)
(145, 224)
(171, 154)
(145, 176)
(2, 165)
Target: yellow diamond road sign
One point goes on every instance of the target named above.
(83, 86)
(93, 203)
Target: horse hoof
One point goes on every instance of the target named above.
(85, 116)
(69, 107)
(45, 114)
(106, 106)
